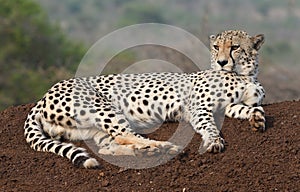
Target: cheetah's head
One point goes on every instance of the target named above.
(235, 50)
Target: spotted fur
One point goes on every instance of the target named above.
(113, 109)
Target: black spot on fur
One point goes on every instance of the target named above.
(140, 110)
(31, 135)
(50, 146)
(52, 116)
(125, 102)
(107, 120)
(66, 150)
(45, 115)
(145, 102)
(111, 115)
(57, 148)
(121, 121)
(69, 123)
(59, 118)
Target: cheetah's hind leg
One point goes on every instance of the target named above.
(144, 146)
(132, 145)
(108, 146)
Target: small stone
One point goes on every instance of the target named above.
(105, 183)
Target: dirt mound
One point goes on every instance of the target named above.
(252, 161)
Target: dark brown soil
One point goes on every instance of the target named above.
(268, 161)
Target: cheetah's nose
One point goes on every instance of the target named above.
(222, 63)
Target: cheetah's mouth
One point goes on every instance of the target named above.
(223, 69)
(228, 68)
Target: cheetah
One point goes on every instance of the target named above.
(111, 108)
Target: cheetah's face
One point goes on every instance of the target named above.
(235, 51)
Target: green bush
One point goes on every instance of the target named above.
(33, 52)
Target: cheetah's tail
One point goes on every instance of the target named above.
(39, 141)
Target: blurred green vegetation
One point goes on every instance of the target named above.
(139, 12)
(278, 20)
(43, 41)
(33, 52)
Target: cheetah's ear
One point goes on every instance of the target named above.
(258, 40)
(212, 37)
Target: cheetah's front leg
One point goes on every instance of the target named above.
(255, 115)
(250, 109)
(203, 122)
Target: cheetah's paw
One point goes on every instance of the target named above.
(214, 146)
(117, 150)
(157, 148)
(169, 148)
(257, 120)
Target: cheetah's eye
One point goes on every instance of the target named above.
(216, 47)
(234, 47)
